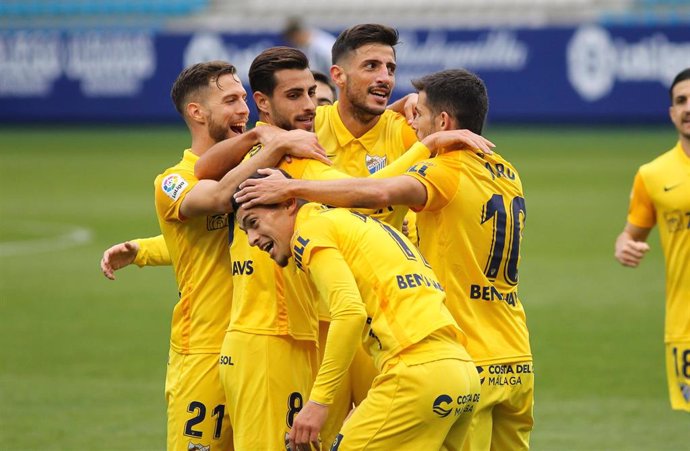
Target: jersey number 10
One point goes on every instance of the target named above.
(495, 209)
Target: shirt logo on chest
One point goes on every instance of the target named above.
(375, 163)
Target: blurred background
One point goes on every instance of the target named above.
(579, 99)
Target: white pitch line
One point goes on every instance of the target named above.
(68, 237)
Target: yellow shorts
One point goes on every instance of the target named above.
(351, 392)
(267, 380)
(197, 415)
(504, 416)
(426, 406)
(678, 374)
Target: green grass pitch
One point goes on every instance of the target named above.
(82, 359)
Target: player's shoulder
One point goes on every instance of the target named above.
(662, 163)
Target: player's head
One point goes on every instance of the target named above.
(211, 95)
(364, 68)
(450, 99)
(269, 227)
(680, 103)
(284, 88)
(325, 89)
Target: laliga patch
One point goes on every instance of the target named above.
(374, 163)
(173, 185)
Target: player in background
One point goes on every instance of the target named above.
(661, 195)
(471, 215)
(381, 294)
(325, 89)
(191, 213)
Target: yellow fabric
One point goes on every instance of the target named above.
(152, 252)
(661, 195)
(504, 417)
(426, 406)
(678, 374)
(403, 301)
(198, 250)
(474, 207)
(267, 381)
(197, 413)
(363, 156)
(268, 299)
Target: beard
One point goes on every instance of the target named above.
(359, 102)
(218, 132)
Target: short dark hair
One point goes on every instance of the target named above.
(267, 63)
(459, 93)
(354, 37)
(323, 78)
(682, 76)
(195, 78)
(256, 175)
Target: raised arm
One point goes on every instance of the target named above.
(211, 197)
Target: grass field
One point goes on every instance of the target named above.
(82, 359)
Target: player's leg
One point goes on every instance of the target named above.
(362, 373)
(412, 407)
(678, 374)
(267, 380)
(513, 418)
(479, 436)
(197, 415)
(457, 435)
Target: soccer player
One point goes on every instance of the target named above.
(325, 89)
(211, 100)
(471, 218)
(661, 195)
(382, 293)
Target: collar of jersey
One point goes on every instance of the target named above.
(368, 140)
(189, 157)
(682, 156)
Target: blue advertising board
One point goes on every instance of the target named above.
(587, 74)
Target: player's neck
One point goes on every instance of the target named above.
(201, 143)
(685, 145)
(356, 122)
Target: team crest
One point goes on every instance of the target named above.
(674, 220)
(173, 185)
(198, 447)
(216, 222)
(375, 163)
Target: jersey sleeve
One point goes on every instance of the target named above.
(440, 182)
(152, 252)
(337, 286)
(170, 190)
(641, 212)
(416, 153)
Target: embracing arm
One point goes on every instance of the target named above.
(227, 154)
(211, 197)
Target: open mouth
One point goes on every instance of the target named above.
(238, 128)
(382, 93)
(267, 247)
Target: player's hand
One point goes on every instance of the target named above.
(307, 425)
(630, 252)
(302, 144)
(457, 139)
(117, 257)
(265, 191)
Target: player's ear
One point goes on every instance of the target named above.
(195, 112)
(262, 102)
(338, 76)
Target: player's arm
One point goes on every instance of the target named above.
(141, 252)
(405, 106)
(211, 197)
(631, 245)
(336, 284)
(227, 154)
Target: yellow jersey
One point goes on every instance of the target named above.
(371, 152)
(198, 251)
(470, 231)
(402, 297)
(661, 195)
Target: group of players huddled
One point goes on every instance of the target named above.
(350, 323)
